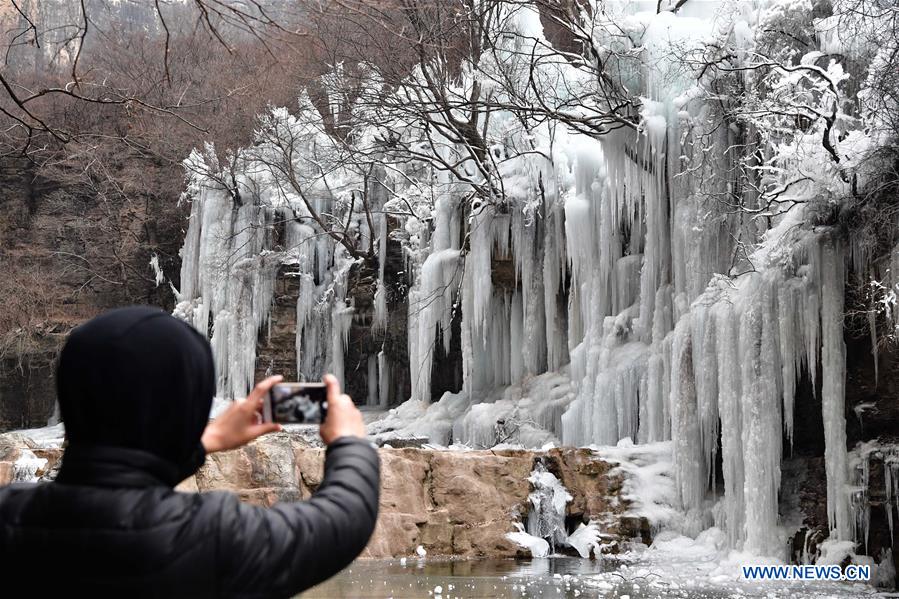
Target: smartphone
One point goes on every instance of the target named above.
(296, 403)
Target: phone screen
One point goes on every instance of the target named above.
(296, 403)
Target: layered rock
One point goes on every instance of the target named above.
(65, 257)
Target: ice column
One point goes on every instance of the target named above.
(689, 465)
(729, 409)
(433, 304)
(833, 387)
(761, 422)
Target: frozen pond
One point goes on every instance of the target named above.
(460, 578)
(554, 577)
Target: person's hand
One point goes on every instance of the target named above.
(241, 422)
(343, 419)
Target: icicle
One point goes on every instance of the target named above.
(556, 344)
(811, 313)
(190, 268)
(689, 464)
(627, 281)
(516, 332)
(729, 409)
(430, 308)
(341, 321)
(579, 237)
(790, 342)
(859, 502)
(833, 387)
(158, 275)
(497, 342)
(372, 380)
(228, 279)
(305, 307)
(529, 261)
(478, 263)
(609, 253)
(891, 484)
(473, 376)
(384, 380)
(382, 239)
(654, 410)
(706, 374)
(655, 256)
(379, 322)
(761, 421)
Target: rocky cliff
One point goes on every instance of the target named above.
(67, 253)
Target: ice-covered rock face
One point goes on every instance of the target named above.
(546, 520)
(672, 280)
(546, 530)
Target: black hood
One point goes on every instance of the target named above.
(137, 380)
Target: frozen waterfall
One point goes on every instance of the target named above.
(634, 302)
(546, 531)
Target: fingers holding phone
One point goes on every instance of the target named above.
(240, 423)
(272, 402)
(343, 418)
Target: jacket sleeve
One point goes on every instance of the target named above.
(290, 547)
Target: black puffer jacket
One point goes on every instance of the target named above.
(112, 525)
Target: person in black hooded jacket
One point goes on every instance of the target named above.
(135, 387)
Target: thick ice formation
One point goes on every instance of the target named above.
(537, 546)
(546, 530)
(648, 481)
(586, 539)
(546, 519)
